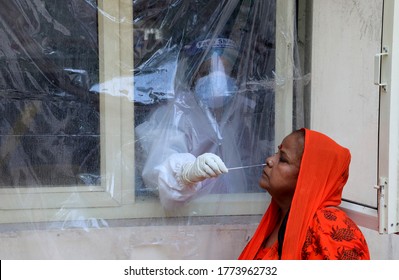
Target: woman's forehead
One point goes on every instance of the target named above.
(292, 144)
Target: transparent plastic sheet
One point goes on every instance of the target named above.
(52, 125)
(182, 126)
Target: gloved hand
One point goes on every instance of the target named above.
(205, 166)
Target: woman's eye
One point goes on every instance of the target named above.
(282, 159)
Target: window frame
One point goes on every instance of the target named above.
(115, 198)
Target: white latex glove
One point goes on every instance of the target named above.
(205, 166)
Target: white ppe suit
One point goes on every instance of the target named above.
(179, 132)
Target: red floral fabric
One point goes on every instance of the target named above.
(334, 236)
(269, 253)
(331, 236)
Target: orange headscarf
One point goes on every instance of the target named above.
(323, 173)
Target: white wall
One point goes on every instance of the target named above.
(382, 247)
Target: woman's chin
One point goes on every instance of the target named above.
(264, 183)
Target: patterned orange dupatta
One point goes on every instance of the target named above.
(323, 173)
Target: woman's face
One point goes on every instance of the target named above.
(280, 174)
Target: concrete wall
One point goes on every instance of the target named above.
(200, 241)
(194, 242)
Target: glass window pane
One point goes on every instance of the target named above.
(49, 130)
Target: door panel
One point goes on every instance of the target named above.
(344, 100)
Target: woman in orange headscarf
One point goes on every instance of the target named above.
(305, 179)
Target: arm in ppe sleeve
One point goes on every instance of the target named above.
(174, 189)
(167, 150)
(169, 164)
(205, 166)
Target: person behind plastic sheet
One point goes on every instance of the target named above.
(305, 179)
(190, 142)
